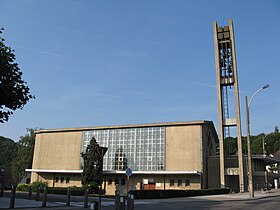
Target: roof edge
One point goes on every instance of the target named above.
(112, 172)
(199, 122)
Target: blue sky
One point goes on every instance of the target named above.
(113, 62)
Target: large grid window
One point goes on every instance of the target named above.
(142, 149)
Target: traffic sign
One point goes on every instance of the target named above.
(128, 171)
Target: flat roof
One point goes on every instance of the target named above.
(153, 172)
(54, 171)
(268, 160)
(111, 172)
(199, 122)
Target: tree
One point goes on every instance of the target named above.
(24, 156)
(272, 143)
(272, 168)
(276, 130)
(14, 92)
(92, 172)
(7, 152)
(230, 145)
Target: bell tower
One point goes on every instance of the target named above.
(228, 99)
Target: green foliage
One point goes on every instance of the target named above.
(257, 144)
(14, 92)
(23, 187)
(273, 168)
(34, 185)
(63, 190)
(41, 185)
(51, 190)
(271, 144)
(24, 156)
(244, 144)
(7, 152)
(157, 194)
(92, 172)
(230, 146)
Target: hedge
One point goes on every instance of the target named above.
(23, 187)
(138, 194)
(155, 194)
(63, 191)
(52, 190)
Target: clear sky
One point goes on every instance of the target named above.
(93, 63)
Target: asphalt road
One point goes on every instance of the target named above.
(262, 201)
(195, 203)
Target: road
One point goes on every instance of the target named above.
(237, 201)
(214, 202)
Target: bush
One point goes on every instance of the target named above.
(39, 184)
(23, 187)
(77, 190)
(154, 194)
(63, 190)
(52, 190)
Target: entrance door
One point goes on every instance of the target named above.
(150, 186)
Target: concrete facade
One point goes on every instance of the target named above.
(261, 178)
(227, 77)
(188, 145)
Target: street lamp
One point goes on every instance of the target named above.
(250, 175)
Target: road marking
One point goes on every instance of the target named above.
(103, 203)
(81, 204)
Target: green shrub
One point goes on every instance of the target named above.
(39, 184)
(79, 191)
(63, 190)
(23, 187)
(154, 194)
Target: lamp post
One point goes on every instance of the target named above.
(250, 175)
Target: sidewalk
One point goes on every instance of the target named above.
(26, 204)
(243, 196)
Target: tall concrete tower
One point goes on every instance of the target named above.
(227, 83)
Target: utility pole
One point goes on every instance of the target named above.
(250, 171)
(250, 175)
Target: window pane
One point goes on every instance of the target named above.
(137, 148)
(179, 182)
(171, 182)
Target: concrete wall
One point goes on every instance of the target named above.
(58, 180)
(209, 145)
(136, 182)
(187, 149)
(57, 151)
(183, 148)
